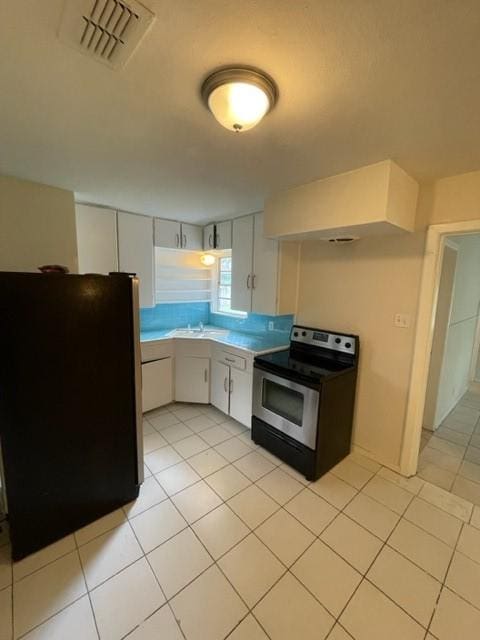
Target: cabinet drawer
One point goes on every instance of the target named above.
(156, 350)
(232, 360)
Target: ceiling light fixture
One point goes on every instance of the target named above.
(239, 97)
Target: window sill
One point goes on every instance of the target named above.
(232, 314)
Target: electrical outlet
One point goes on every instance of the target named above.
(270, 325)
(402, 320)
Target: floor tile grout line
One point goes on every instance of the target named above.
(145, 555)
(36, 626)
(86, 587)
(364, 578)
(459, 595)
(443, 585)
(43, 566)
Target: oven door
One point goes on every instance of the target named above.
(289, 407)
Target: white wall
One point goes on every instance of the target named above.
(359, 288)
(37, 226)
(460, 343)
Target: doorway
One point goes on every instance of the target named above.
(442, 432)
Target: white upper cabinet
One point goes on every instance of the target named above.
(170, 234)
(167, 234)
(242, 263)
(191, 237)
(209, 237)
(223, 235)
(96, 239)
(135, 252)
(217, 236)
(265, 270)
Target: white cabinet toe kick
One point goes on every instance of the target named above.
(198, 371)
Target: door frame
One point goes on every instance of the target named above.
(453, 247)
(427, 307)
(476, 353)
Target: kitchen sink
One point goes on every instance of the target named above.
(198, 333)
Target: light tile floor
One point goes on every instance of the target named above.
(450, 456)
(227, 542)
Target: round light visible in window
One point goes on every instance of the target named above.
(207, 259)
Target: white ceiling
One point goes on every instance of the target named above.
(359, 80)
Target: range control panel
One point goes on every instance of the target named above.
(325, 339)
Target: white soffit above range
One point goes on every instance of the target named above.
(379, 199)
(358, 82)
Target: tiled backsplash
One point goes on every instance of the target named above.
(173, 315)
(181, 314)
(253, 323)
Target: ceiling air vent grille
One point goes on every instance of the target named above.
(107, 30)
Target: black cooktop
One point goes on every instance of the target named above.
(305, 366)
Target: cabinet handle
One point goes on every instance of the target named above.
(225, 385)
(229, 359)
(177, 239)
(184, 241)
(253, 281)
(210, 240)
(248, 281)
(231, 385)
(205, 375)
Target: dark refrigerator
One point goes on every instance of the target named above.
(70, 402)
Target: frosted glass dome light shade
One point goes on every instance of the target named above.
(239, 98)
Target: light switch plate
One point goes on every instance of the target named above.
(402, 320)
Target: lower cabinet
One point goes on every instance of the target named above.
(231, 391)
(219, 391)
(241, 383)
(157, 388)
(192, 379)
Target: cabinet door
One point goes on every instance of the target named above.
(220, 381)
(241, 383)
(223, 235)
(265, 271)
(157, 384)
(192, 237)
(242, 256)
(135, 252)
(192, 379)
(209, 237)
(167, 234)
(96, 239)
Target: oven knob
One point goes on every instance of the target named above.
(304, 333)
(338, 340)
(348, 345)
(295, 333)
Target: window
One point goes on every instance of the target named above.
(223, 297)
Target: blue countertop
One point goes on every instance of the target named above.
(255, 343)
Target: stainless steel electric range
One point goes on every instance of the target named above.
(303, 399)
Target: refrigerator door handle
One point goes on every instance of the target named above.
(138, 379)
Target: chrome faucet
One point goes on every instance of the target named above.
(201, 326)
